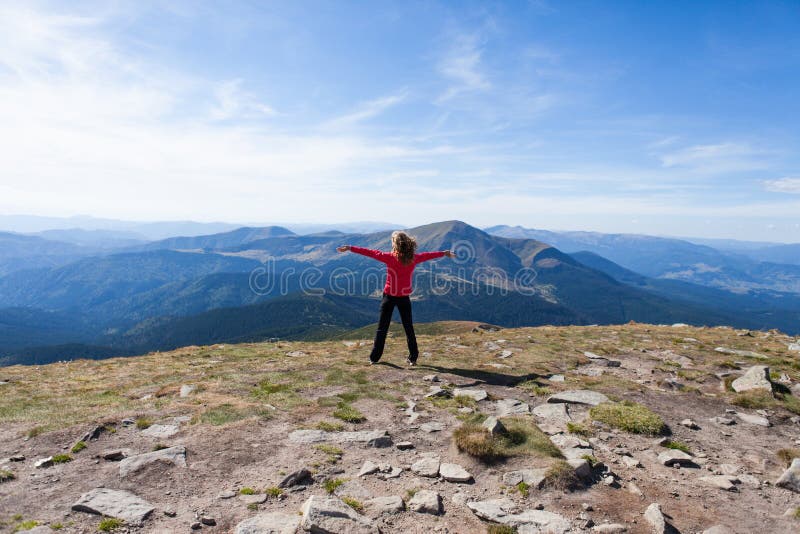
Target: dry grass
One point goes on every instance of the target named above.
(630, 417)
(754, 399)
(523, 438)
(787, 455)
(561, 476)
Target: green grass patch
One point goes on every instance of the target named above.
(630, 417)
(334, 453)
(25, 525)
(247, 491)
(578, 428)
(331, 484)
(329, 427)
(500, 529)
(523, 438)
(787, 455)
(754, 399)
(348, 414)
(252, 507)
(273, 491)
(61, 458)
(592, 460)
(110, 524)
(159, 447)
(677, 445)
(560, 476)
(354, 504)
(35, 431)
(6, 475)
(523, 489)
(227, 413)
(410, 493)
(531, 386)
(78, 447)
(143, 423)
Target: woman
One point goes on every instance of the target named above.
(400, 263)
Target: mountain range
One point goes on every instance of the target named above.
(61, 300)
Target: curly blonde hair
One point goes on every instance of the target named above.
(403, 246)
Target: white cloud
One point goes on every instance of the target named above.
(370, 109)
(461, 65)
(233, 102)
(783, 185)
(717, 158)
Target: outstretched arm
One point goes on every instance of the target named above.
(425, 256)
(368, 252)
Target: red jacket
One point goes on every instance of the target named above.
(398, 275)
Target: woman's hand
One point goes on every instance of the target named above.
(343, 248)
(449, 254)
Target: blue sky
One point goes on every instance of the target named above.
(670, 118)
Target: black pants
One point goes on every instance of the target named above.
(387, 307)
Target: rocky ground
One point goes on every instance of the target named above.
(633, 428)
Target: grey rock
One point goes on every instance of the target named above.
(171, 455)
(757, 377)
(579, 396)
(723, 482)
(426, 502)
(557, 412)
(38, 530)
(430, 378)
(373, 438)
(353, 488)
(208, 521)
(790, 479)
(368, 468)
(583, 469)
(44, 462)
(494, 426)
(392, 504)
(723, 421)
(256, 498)
(16, 458)
(114, 455)
(754, 419)
(329, 515)
(404, 445)
(160, 431)
(432, 426)
(393, 472)
(532, 477)
(187, 390)
(114, 503)
(226, 495)
(688, 423)
(269, 523)
(437, 392)
(504, 511)
(718, 529)
(673, 456)
(556, 378)
(506, 407)
(631, 462)
(475, 394)
(300, 477)
(427, 467)
(655, 518)
(454, 473)
(794, 347)
(505, 354)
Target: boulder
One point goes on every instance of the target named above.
(673, 456)
(427, 467)
(557, 412)
(475, 394)
(160, 431)
(506, 407)
(368, 468)
(534, 478)
(44, 462)
(114, 503)
(373, 438)
(354, 489)
(426, 502)
(790, 479)
(187, 390)
(432, 426)
(494, 426)
(454, 473)
(655, 518)
(723, 482)
(754, 419)
(578, 396)
(172, 455)
(392, 504)
(256, 498)
(269, 523)
(583, 469)
(794, 347)
(505, 512)
(301, 477)
(757, 377)
(329, 515)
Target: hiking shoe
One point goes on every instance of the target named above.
(411, 362)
